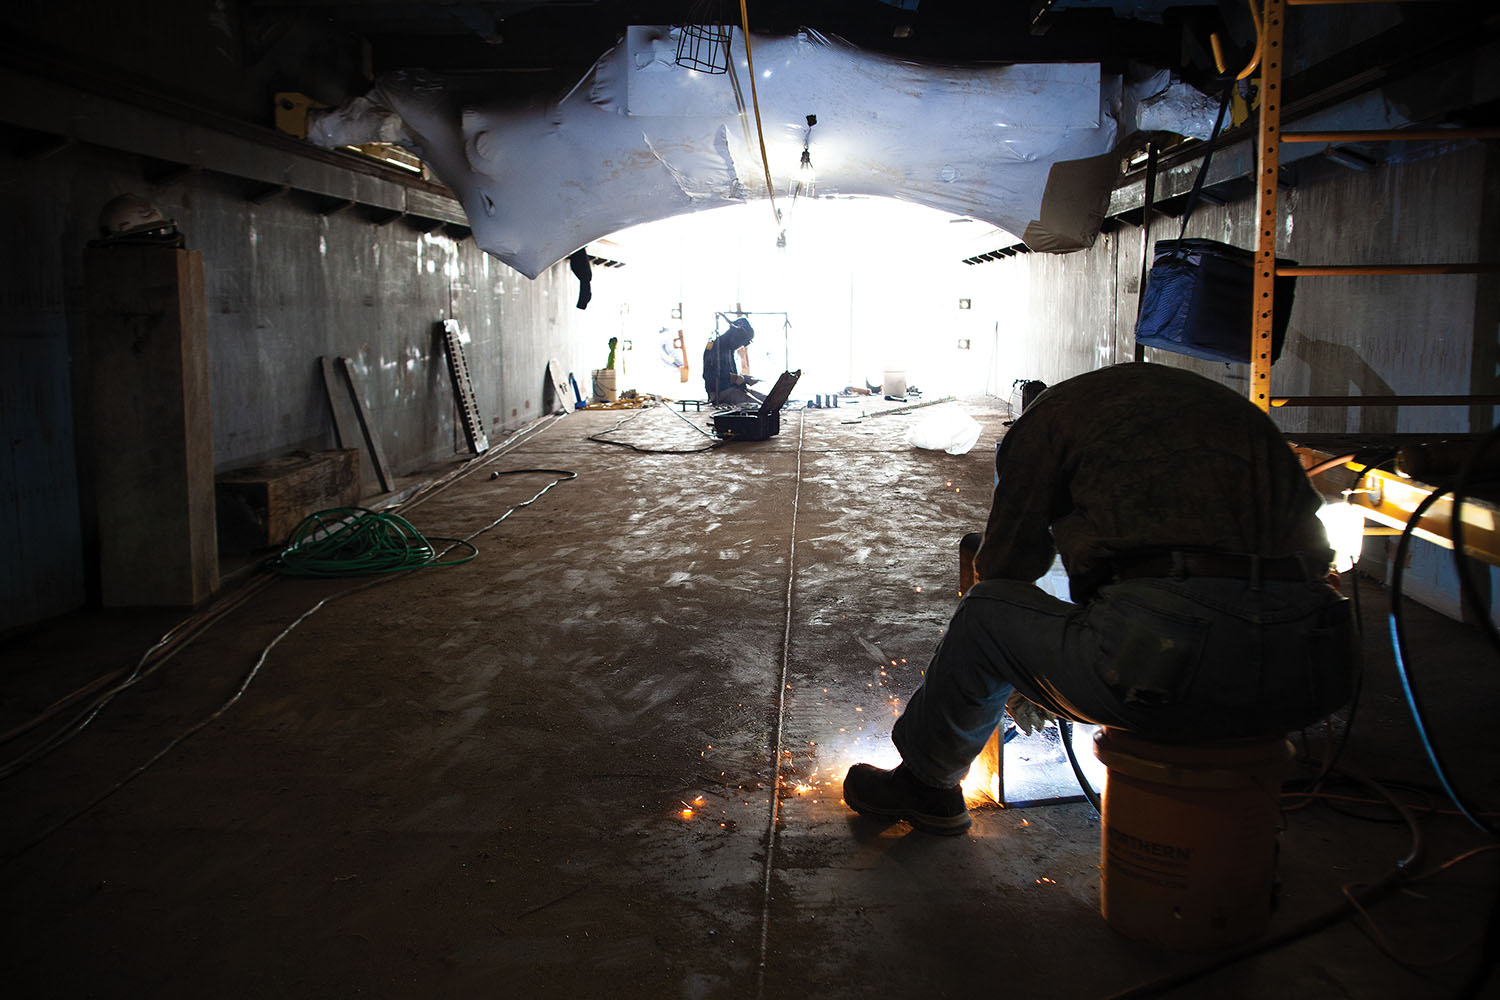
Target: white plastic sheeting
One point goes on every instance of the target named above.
(946, 428)
(640, 138)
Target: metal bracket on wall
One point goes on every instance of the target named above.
(463, 388)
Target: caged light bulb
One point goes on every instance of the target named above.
(1346, 532)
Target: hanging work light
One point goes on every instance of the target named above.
(806, 175)
(703, 43)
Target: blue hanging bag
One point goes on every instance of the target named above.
(1200, 293)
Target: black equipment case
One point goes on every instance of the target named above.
(763, 422)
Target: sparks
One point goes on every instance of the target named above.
(981, 785)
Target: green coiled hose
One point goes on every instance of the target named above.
(355, 541)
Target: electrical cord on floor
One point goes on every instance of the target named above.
(715, 442)
(496, 451)
(1366, 920)
(61, 704)
(564, 476)
(153, 659)
(181, 634)
(1488, 939)
(189, 628)
(195, 728)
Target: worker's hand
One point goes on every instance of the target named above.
(1028, 716)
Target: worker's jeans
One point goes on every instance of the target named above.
(1175, 660)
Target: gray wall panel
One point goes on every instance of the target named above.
(284, 285)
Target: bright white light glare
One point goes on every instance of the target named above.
(1346, 532)
(836, 339)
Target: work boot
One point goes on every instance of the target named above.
(897, 794)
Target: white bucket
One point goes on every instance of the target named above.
(604, 386)
(894, 384)
(1189, 838)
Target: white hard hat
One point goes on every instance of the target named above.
(128, 214)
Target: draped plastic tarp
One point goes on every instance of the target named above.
(1027, 148)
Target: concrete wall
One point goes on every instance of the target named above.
(1348, 336)
(284, 286)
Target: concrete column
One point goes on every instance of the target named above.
(152, 429)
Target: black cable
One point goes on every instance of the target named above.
(653, 451)
(1066, 728)
(1467, 586)
(1359, 671)
(1375, 461)
(1398, 648)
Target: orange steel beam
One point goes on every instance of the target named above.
(1268, 161)
(1388, 499)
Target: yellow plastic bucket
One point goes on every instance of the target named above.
(1188, 844)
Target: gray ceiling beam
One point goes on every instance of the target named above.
(263, 156)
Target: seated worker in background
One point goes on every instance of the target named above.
(721, 377)
(1198, 570)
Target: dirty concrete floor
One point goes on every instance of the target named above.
(603, 758)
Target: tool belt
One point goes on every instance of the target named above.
(1225, 565)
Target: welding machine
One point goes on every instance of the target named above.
(762, 422)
